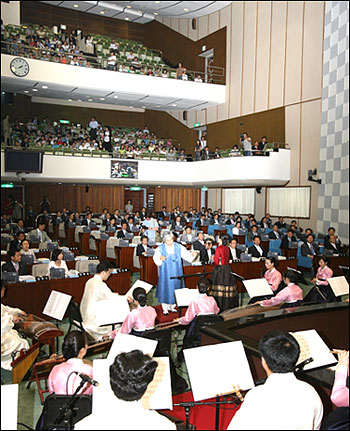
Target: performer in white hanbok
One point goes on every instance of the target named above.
(10, 339)
(168, 259)
(95, 290)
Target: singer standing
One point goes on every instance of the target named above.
(168, 259)
(63, 377)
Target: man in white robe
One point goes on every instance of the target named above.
(10, 339)
(96, 290)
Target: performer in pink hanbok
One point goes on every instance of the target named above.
(340, 392)
(63, 379)
(273, 277)
(290, 296)
(322, 291)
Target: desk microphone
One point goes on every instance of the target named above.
(87, 379)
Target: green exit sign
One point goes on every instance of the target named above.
(64, 121)
(196, 124)
(135, 189)
(7, 186)
(204, 189)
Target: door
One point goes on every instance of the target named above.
(135, 197)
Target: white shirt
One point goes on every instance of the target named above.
(259, 249)
(124, 415)
(233, 253)
(282, 403)
(52, 264)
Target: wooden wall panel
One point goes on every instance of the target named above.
(225, 134)
(75, 197)
(40, 13)
(171, 197)
(20, 109)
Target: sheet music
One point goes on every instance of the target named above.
(185, 296)
(57, 304)
(139, 283)
(127, 343)
(112, 310)
(257, 287)
(233, 370)
(9, 406)
(312, 345)
(339, 285)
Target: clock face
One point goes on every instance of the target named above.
(19, 67)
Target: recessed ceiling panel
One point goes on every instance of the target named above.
(82, 5)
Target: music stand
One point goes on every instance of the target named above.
(241, 279)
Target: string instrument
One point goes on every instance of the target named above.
(38, 329)
(94, 348)
(237, 392)
(246, 310)
(167, 325)
(23, 362)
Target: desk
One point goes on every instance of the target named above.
(70, 240)
(84, 239)
(32, 297)
(125, 258)
(319, 316)
(248, 270)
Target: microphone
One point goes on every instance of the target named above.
(87, 379)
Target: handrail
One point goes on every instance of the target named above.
(101, 62)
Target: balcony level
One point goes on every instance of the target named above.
(250, 171)
(68, 82)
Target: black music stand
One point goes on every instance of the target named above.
(241, 279)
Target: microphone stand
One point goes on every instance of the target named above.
(66, 414)
(189, 404)
(241, 279)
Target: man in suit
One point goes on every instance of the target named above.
(17, 242)
(333, 244)
(331, 231)
(187, 237)
(230, 220)
(275, 234)
(123, 231)
(39, 232)
(14, 264)
(200, 246)
(130, 225)
(177, 223)
(205, 154)
(87, 220)
(281, 224)
(235, 253)
(107, 219)
(256, 250)
(200, 222)
(253, 233)
(162, 214)
(215, 220)
(287, 239)
(141, 249)
(309, 248)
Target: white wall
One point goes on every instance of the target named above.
(10, 12)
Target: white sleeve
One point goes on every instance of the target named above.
(6, 320)
(186, 254)
(156, 257)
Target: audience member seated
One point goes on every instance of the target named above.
(57, 262)
(14, 264)
(130, 374)
(60, 380)
(290, 296)
(275, 234)
(11, 342)
(289, 237)
(123, 231)
(26, 250)
(256, 250)
(140, 319)
(309, 248)
(296, 403)
(187, 237)
(235, 253)
(238, 227)
(177, 223)
(142, 248)
(87, 220)
(333, 244)
(16, 243)
(331, 231)
(199, 245)
(281, 224)
(253, 233)
(264, 223)
(39, 232)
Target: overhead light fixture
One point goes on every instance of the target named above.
(34, 89)
(186, 9)
(69, 100)
(116, 97)
(90, 100)
(131, 107)
(44, 86)
(102, 12)
(102, 98)
(158, 106)
(173, 104)
(79, 100)
(127, 19)
(155, 13)
(76, 5)
(143, 107)
(157, 2)
(128, 6)
(26, 91)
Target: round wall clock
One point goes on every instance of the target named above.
(19, 67)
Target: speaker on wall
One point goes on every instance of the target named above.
(258, 190)
(194, 24)
(184, 115)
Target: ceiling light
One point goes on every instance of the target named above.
(130, 106)
(79, 100)
(69, 100)
(127, 19)
(102, 98)
(90, 100)
(34, 89)
(157, 2)
(158, 106)
(155, 13)
(186, 9)
(173, 104)
(44, 86)
(26, 91)
(76, 5)
(116, 97)
(144, 107)
(102, 12)
(129, 7)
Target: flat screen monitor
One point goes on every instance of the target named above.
(23, 161)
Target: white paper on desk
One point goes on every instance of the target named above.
(9, 406)
(339, 285)
(127, 343)
(233, 370)
(256, 259)
(112, 310)
(57, 305)
(185, 296)
(139, 283)
(257, 287)
(312, 345)
(26, 278)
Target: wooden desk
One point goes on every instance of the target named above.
(289, 252)
(84, 238)
(32, 297)
(319, 316)
(125, 258)
(70, 239)
(240, 238)
(248, 270)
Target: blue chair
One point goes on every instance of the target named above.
(212, 228)
(275, 246)
(304, 261)
(248, 243)
(267, 231)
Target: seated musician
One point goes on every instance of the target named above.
(141, 249)
(291, 295)
(340, 390)
(11, 342)
(73, 349)
(296, 405)
(14, 264)
(322, 291)
(57, 262)
(130, 374)
(140, 319)
(273, 277)
(26, 250)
